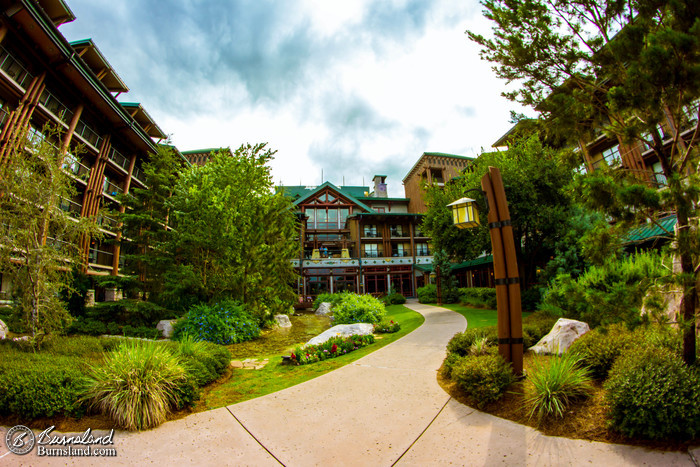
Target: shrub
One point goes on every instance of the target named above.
(333, 347)
(128, 311)
(483, 377)
(535, 327)
(531, 298)
(387, 327)
(223, 324)
(606, 294)
(143, 332)
(203, 361)
(394, 298)
(653, 394)
(332, 298)
(551, 387)
(358, 309)
(478, 297)
(427, 294)
(137, 385)
(36, 385)
(462, 342)
(87, 326)
(599, 348)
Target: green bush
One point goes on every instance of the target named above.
(137, 386)
(87, 326)
(599, 348)
(394, 298)
(129, 312)
(143, 332)
(226, 323)
(461, 343)
(531, 298)
(551, 387)
(387, 327)
(484, 377)
(606, 294)
(332, 298)
(355, 308)
(203, 361)
(36, 385)
(653, 394)
(333, 347)
(478, 297)
(427, 294)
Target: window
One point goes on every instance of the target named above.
(398, 230)
(612, 156)
(690, 113)
(373, 250)
(658, 175)
(370, 231)
(402, 249)
(422, 249)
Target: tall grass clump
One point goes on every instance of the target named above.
(551, 387)
(137, 385)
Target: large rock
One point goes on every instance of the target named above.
(342, 330)
(3, 330)
(167, 327)
(323, 309)
(563, 334)
(283, 321)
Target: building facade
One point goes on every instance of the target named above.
(433, 168)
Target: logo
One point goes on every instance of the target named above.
(20, 439)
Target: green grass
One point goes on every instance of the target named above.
(249, 384)
(476, 317)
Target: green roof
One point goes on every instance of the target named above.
(301, 193)
(466, 264)
(652, 231)
(444, 154)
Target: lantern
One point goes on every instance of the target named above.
(464, 213)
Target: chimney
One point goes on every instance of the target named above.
(380, 186)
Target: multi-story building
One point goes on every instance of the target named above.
(433, 168)
(46, 80)
(356, 240)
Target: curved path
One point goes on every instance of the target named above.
(384, 409)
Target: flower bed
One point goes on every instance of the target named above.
(333, 347)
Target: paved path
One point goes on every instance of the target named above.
(384, 409)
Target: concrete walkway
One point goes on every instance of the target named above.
(384, 409)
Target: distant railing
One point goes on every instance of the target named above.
(55, 106)
(112, 189)
(109, 223)
(88, 134)
(14, 68)
(101, 258)
(70, 206)
(138, 174)
(71, 165)
(117, 157)
(57, 244)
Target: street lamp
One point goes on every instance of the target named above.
(505, 265)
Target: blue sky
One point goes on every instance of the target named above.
(350, 89)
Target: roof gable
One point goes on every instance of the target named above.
(339, 192)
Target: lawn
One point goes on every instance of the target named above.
(477, 318)
(241, 385)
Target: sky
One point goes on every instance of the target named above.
(342, 90)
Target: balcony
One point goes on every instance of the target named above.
(401, 253)
(88, 134)
(138, 174)
(370, 234)
(70, 206)
(117, 157)
(399, 233)
(111, 189)
(75, 168)
(53, 105)
(14, 68)
(101, 258)
(107, 223)
(58, 245)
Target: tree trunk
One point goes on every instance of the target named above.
(688, 284)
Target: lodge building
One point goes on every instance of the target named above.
(47, 81)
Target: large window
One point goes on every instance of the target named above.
(372, 250)
(402, 249)
(330, 218)
(399, 230)
(370, 231)
(422, 249)
(612, 156)
(658, 175)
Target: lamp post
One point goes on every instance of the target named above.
(505, 265)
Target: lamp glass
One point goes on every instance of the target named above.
(464, 213)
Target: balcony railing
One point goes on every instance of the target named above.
(71, 165)
(111, 189)
(397, 233)
(14, 68)
(101, 258)
(373, 254)
(401, 253)
(108, 223)
(370, 234)
(55, 106)
(57, 244)
(117, 157)
(70, 206)
(138, 174)
(4, 114)
(88, 134)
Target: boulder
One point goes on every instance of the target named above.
(563, 334)
(167, 327)
(323, 309)
(283, 321)
(3, 330)
(343, 330)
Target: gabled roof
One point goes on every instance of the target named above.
(98, 64)
(434, 154)
(302, 194)
(139, 114)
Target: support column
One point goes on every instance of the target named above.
(71, 129)
(15, 129)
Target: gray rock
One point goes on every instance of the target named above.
(167, 327)
(3, 330)
(342, 330)
(323, 309)
(563, 334)
(283, 321)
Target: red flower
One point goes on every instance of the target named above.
(294, 357)
(334, 348)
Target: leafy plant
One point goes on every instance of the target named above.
(393, 298)
(461, 343)
(333, 347)
(226, 323)
(652, 394)
(598, 349)
(551, 387)
(483, 377)
(427, 294)
(332, 298)
(137, 385)
(478, 297)
(387, 327)
(354, 308)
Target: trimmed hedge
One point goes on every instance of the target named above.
(483, 377)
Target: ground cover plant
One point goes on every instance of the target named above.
(387, 326)
(332, 348)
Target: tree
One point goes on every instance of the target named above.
(537, 189)
(145, 220)
(623, 68)
(233, 238)
(39, 241)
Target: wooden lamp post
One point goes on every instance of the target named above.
(505, 265)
